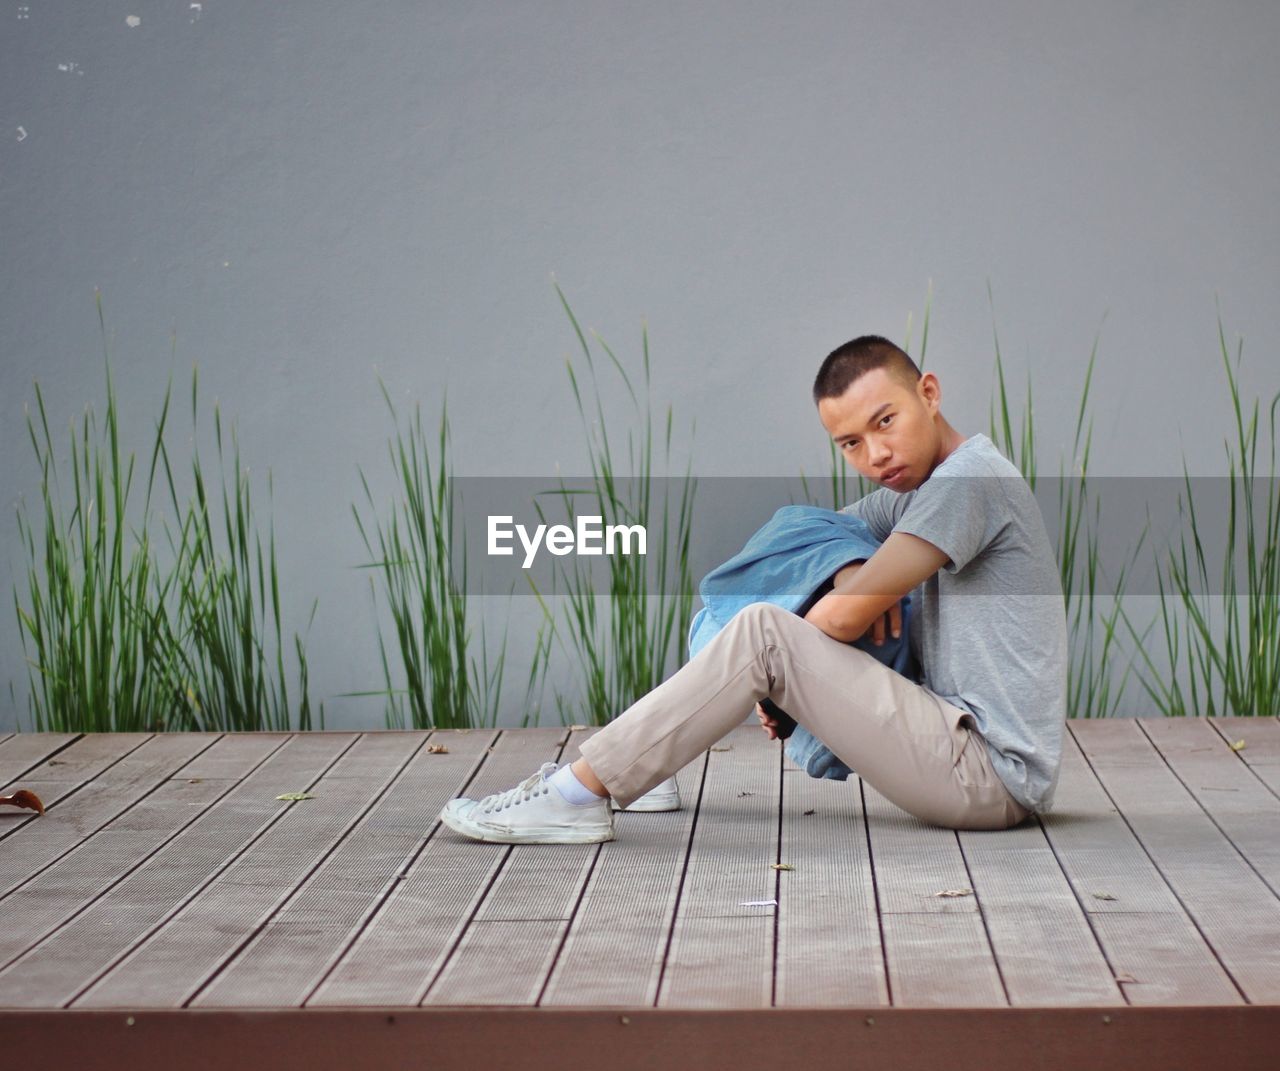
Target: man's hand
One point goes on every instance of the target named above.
(770, 725)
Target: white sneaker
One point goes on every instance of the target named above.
(533, 812)
(664, 796)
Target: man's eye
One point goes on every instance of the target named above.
(887, 416)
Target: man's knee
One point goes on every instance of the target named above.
(767, 619)
(762, 612)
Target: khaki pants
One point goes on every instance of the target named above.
(913, 747)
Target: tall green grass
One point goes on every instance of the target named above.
(232, 679)
(1237, 671)
(1022, 449)
(623, 642)
(115, 642)
(1091, 691)
(425, 585)
(99, 656)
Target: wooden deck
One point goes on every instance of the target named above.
(168, 895)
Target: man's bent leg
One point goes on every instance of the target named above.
(905, 741)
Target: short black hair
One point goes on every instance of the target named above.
(858, 356)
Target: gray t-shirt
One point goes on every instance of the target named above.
(991, 631)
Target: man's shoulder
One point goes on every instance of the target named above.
(977, 456)
(984, 468)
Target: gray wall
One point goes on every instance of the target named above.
(312, 194)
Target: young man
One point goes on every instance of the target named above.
(975, 745)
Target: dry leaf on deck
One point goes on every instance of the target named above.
(954, 892)
(1239, 745)
(1103, 896)
(296, 796)
(782, 866)
(437, 749)
(24, 797)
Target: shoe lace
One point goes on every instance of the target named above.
(533, 785)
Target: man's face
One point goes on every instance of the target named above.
(886, 430)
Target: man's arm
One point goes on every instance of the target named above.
(879, 510)
(902, 562)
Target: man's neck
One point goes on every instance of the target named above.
(951, 439)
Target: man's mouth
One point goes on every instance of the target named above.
(892, 476)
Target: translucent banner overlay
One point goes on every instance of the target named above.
(1137, 525)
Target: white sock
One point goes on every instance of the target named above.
(573, 790)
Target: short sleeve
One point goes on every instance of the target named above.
(961, 515)
(877, 510)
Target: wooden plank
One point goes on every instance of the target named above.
(508, 949)
(734, 843)
(53, 972)
(500, 962)
(109, 892)
(1261, 737)
(236, 755)
(937, 948)
(1152, 963)
(1231, 905)
(1046, 949)
(829, 949)
(174, 961)
(23, 752)
(1261, 740)
(60, 891)
(1156, 953)
(399, 952)
(1240, 805)
(117, 788)
(284, 962)
(617, 940)
(65, 771)
(466, 1039)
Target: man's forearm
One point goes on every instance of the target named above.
(838, 617)
(903, 562)
(832, 615)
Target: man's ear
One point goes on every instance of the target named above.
(929, 389)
